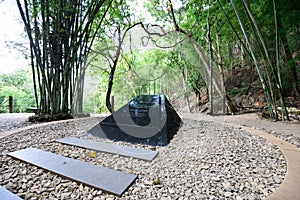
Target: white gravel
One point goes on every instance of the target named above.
(204, 161)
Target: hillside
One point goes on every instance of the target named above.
(244, 88)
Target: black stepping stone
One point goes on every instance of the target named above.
(143, 154)
(7, 195)
(99, 177)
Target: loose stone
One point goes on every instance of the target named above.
(204, 160)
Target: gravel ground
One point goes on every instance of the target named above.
(288, 131)
(204, 160)
(10, 121)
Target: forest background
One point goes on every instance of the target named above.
(242, 54)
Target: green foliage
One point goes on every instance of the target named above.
(150, 72)
(236, 91)
(61, 34)
(19, 86)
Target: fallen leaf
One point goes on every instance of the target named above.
(92, 154)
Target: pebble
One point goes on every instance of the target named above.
(227, 194)
(171, 191)
(208, 161)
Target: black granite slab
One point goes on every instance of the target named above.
(103, 178)
(8, 195)
(146, 119)
(139, 153)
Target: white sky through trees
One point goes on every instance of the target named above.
(11, 32)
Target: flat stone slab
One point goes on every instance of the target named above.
(143, 154)
(7, 195)
(99, 177)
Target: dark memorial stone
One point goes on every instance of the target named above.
(146, 119)
(103, 178)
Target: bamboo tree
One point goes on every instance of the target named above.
(268, 66)
(218, 86)
(277, 44)
(61, 34)
(208, 36)
(283, 110)
(273, 77)
(262, 80)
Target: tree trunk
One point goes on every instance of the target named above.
(215, 83)
(262, 80)
(61, 34)
(185, 89)
(208, 38)
(109, 87)
(287, 58)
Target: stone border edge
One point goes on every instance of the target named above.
(289, 188)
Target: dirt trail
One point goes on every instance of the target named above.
(289, 131)
(9, 121)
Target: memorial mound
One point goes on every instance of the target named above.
(146, 119)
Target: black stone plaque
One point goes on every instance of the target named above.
(139, 153)
(103, 178)
(146, 119)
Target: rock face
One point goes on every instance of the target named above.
(146, 119)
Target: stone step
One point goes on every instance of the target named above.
(127, 151)
(7, 195)
(99, 177)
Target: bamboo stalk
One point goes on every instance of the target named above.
(264, 85)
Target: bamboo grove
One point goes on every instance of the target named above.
(62, 33)
(266, 31)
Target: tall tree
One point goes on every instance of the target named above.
(275, 53)
(117, 25)
(207, 63)
(61, 34)
(271, 76)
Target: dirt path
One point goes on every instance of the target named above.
(251, 120)
(9, 121)
(289, 131)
